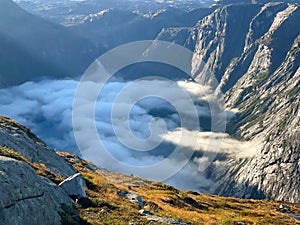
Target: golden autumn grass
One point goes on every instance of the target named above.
(40, 168)
(106, 207)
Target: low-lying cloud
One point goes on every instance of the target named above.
(46, 108)
(216, 142)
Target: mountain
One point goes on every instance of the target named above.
(70, 12)
(251, 48)
(32, 47)
(253, 52)
(39, 185)
(104, 28)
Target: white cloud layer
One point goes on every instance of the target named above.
(46, 108)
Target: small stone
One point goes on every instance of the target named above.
(239, 223)
(284, 207)
(121, 193)
(145, 212)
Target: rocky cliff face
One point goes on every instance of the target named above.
(253, 51)
(26, 163)
(20, 139)
(23, 192)
(270, 112)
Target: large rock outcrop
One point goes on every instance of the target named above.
(27, 198)
(20, 139)
(74, 186)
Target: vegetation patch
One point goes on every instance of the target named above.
(40, 168)
(69, 216)
(4, 151)
(4, 121)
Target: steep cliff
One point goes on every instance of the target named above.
(253, 51)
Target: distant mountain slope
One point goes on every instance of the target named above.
(114, 27)
(32, 47)
(269, 109)
(70, 12)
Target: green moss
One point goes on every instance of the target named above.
(226, 221)
(70, 216)
(182, 194)
(260, 79)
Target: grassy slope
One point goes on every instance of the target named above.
(104, 206)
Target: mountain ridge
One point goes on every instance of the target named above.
(23, 37)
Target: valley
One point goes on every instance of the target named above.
(227, 100)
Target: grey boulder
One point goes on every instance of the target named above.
(27, 198)
(74, 186)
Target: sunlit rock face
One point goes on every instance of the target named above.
(253, 51)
